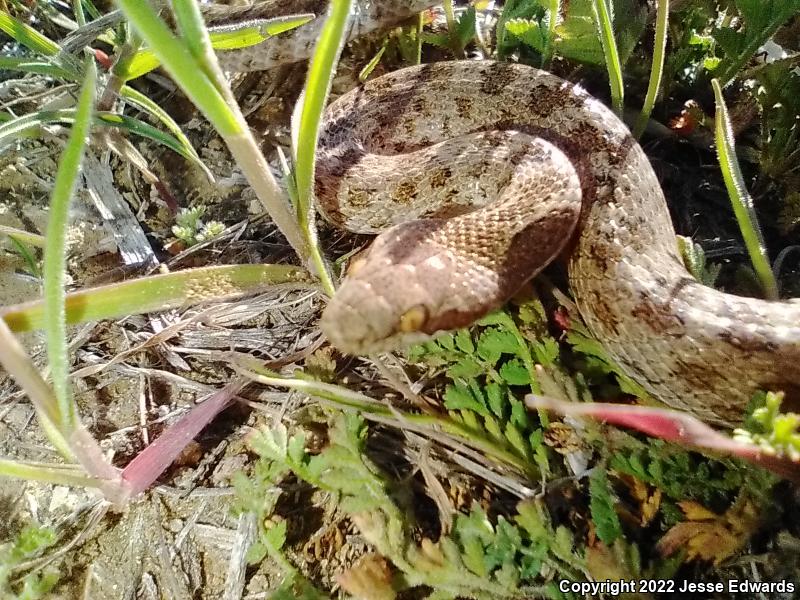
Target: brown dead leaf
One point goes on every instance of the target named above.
(649, 502)
(615, 563)
(603, 563)
(708, 536)
(369, 579)
(647, 498)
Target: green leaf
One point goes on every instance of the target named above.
(440, 40)
(519, 414)
(271, 443)
(276, 535)
(460, 397)
(515, 10)
(465, 368)
(602, 505)
(256, 553)
(474, 532)
(507, 541)
(495, 342)
(28, 544)
(496, 400)
(514, 373)
(576, 36)
(296, 449)
(492, 427)
(447, 341)
(516, 439)
(531, 564)
(730, 41)
(760, 19)
(466, 27)
(529, 32)
(463, 341)
(532, 518)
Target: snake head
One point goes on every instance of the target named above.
(404, 292)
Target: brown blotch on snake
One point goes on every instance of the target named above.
(545, 168)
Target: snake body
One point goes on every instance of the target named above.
(484, 172)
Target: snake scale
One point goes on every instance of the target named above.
(485, 172)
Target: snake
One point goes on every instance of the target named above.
(477, 174)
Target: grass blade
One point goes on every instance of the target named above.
(55, 250)
(657, 68)
(159, 292)
(30, 260)
(17, 126)
(77, 10)
(740, 199)
(227, 38)
(602, 17)
(254, 32)
(174, 54)
(193, 30)
(146, 130)
(34, 239)
(50, 473)
(306, 133)
(27, 36)
(143, 102)
(146, 467)
(28, 65)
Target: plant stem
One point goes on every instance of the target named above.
(740, 199)
(55, 252)
(602, 17)
(657, 68)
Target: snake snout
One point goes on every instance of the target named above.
(375, 314)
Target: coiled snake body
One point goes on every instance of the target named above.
(551, 170)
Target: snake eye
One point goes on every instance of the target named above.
(355, 265)
(413, 319)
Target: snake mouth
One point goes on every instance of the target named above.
(347, 329)
(365, 345)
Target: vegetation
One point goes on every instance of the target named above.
(534, 499)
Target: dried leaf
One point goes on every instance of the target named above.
(649, 503)
(708, 536)
(369, 579)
